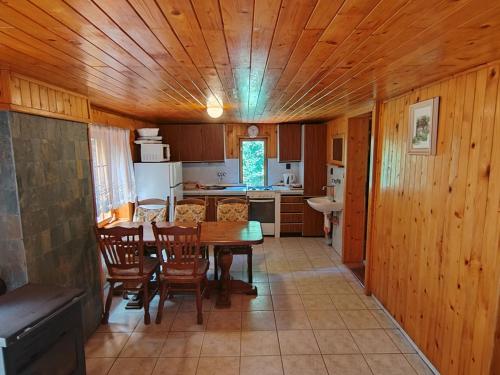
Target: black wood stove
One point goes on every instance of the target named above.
(41, 331)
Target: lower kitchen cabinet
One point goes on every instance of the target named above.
(291, 214)
(313, 222)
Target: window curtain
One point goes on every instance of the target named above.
(114, 182)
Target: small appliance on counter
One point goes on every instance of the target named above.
(288, 179)
(152, 148)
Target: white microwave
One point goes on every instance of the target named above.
(155, 152)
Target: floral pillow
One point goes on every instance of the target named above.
(232, 212)
(189, 213)
(143, 214)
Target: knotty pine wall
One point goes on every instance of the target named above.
(235, 132)
(435, 258)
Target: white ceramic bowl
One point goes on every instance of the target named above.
(148, 132)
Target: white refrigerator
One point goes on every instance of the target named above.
(159, 180)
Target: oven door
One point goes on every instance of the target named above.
(262, 209)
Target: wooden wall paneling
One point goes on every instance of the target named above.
(25, 94)
(235, 132)
(355, 190)
(431, 267)
(5, 91)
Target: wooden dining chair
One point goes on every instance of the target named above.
(233, 209)
(191, 211)
(182, 268)
(143, 213)
(123, 253)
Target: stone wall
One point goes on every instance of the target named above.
(12, 257)
(56, 206)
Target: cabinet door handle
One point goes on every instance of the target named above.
(262, 201)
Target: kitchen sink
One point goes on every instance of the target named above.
(325, 204)
(214, 187)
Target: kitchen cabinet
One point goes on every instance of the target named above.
(289, 142)
(291, 214)
(314, 176)
(194, 142)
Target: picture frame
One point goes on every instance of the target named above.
(338, 149)
(422, 130)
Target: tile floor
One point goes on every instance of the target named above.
(310, 317)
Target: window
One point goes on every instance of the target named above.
(113, 172)
(253, 162)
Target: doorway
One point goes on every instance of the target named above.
(357, 191)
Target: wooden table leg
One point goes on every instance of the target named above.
(225, 260)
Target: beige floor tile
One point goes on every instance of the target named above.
(285, 287)
(337, 341)
(259, 343)
(189, 304)
(258, 277)
(98, 366)
(374, 341)
(317, 302)
(304, 365)
(221, 344)
(400, 340)
(133, 366)
(369, 302)
(166, 322)
(325, 319)
(359, 319)
(123, 321)
(348, 302)
(176, 366)
(298, 342)
(280, 277)
(261, 365)
(256, 303)
(224, 321)
(313, 288)
(339, 287)
(218, 366)
(346, 364)
(186, 321)
(418, 364)
(258, 321)
(389, 364)
(383, 319)
(105, 344)
(287, 302)
(292, 319)
(182, 344)
(263, 289)
(142, 344)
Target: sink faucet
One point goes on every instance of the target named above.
(221, 174)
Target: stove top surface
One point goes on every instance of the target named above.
(259, 188)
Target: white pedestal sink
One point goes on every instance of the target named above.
(325, 205)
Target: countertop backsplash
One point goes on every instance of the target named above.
(206, 173)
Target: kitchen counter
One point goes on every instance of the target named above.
(241, 190)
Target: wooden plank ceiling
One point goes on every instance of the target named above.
(266, 60)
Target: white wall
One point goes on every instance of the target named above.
(206, 173)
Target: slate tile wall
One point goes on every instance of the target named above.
(12, 256)
(56, 206)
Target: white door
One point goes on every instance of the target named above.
(152, 180)
(176, 193)
(175, 174)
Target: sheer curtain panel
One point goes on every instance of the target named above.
(114, 182)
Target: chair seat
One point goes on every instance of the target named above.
(201, 269)
(150, 265)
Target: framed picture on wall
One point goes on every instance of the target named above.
(422, 133)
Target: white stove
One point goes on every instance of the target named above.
(265, 207)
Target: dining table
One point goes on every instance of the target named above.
(215, 233)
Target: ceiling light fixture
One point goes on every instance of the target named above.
(214, 107)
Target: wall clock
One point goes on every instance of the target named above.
(253, 131)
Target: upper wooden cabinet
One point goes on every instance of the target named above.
(195, 143)
(289, 142)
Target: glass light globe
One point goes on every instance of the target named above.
(214, 107)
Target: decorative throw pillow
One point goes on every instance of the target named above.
(232, 212)
(189, 213)
(143, 214)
